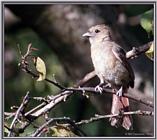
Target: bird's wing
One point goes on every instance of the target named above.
(121, 56)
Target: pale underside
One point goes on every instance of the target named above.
(107, 67)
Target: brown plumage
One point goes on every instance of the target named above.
(112, 67)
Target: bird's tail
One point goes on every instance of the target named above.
(120, 104)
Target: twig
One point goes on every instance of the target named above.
(34, 109)
(57, 99)
(18, 112)
(87, 77)
(107, 90)
(61, 97)
(24, 66)
(100, 117)
(7, 127)
(138, 50)
(32, 115)
(54, 120)
(46, 79)
(9, 115)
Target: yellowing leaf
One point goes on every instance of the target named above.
(150, 52)
(6, 130)
(61, 131)
(41, 68)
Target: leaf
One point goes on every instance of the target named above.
(150, 52)
(6, 131)
(41, 68)
(147, 21)
(61, 131)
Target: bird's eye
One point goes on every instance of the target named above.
(97, 31)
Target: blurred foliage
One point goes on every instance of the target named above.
(147, 21)
(137, 9)
(60, 131)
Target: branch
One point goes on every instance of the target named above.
(109, 91)
(136, 51)
(57, 120)
(86, 79)
(62, 96)
(18, 112)
(68, 121)
(100, 117)
(24, 65)
(9, 115)
(54, 101)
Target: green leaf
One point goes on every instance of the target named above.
(147, 21)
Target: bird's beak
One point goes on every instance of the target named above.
(88, 34)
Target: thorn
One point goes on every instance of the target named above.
(87, 96)
(120, 92)
(53, 76)
(65, 97)
(18, 45)
(83, 92)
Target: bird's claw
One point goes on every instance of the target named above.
(99, 88)
(107, 85)
(119, 92)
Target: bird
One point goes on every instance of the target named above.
(113, 69)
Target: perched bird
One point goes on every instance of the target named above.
(111, 66)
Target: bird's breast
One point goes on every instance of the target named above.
(108, 66)
(103, 59)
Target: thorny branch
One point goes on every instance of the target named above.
(64, 95)
(100, 117)
(63, 120)
(52, 101)
(24, 65)
(18, 112)
(68, 122)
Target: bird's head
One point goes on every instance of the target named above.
(98, 33)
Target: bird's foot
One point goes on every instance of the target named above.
(107, 85)
(120, 92)
(99, 89)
